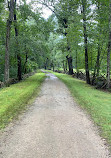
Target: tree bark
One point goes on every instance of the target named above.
(45, 66)
(53, 66)
(6, 73)
(85, 41)
(69, 59)
(98, 60)
(109, 48)
(76, 64)
(26, 58)
(8, 29)
(97, 66)
(91, 62)
(19, 72)
(70, 65)
(64, 66)
(19, 75)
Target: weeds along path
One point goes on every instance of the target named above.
(54, 127)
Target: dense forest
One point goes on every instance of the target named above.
(75, 39)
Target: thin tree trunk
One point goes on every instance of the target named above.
(45, 66)
(6, 75)
(8, 29)
(108, 67)
(64, 66)
(91, 62)
(26, 57)
(76, 64)
(70, 65)
(97, 66)
(108, 63)
(98, 60)
(19, 73)
(85, 42)
(109, 48)
(76, 61)
(69, 59)
(19, 68)
(53, 67)
(94, 74)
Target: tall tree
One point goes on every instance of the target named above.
(84, 4)
(19, 74)
(8, 28)
(109, 48)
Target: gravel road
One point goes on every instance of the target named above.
(53, 127)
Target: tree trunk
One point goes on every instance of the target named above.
(46, 64)
(76, 64)
(70, 65)
(109, 48)
(85, 42)
(108, 63)
(98, 60)
(8, 29)
(19, 73)
(91, 62)
(97, 66)
(26, 57)
(53, 67)
(45, 67)
(69, 59)
(19, 68)
(6, 75)
(64, 66)
(108, 67)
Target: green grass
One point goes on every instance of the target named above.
(14, 99)
(96, 102)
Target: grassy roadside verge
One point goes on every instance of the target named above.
(14, 99)
(96, 102)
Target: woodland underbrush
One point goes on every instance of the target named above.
(98, 82)
(15, 80)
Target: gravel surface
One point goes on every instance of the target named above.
(54, 127)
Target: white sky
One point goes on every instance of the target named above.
(46, 12)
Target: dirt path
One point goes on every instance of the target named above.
(54, 127)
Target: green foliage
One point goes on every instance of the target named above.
(31, 42)
(46, 42)
(31, 66)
